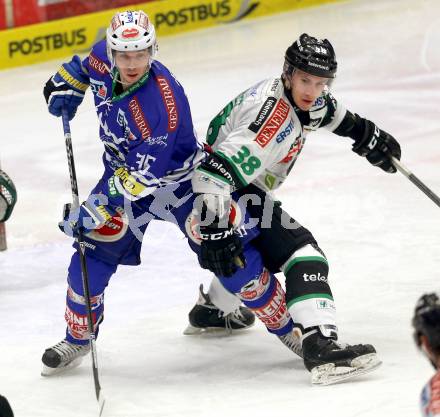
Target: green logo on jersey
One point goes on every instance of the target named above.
(269, 180)
(220, 119)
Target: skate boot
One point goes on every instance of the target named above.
(330, 362)
(206, 317)
(292, 341)
(62, 356)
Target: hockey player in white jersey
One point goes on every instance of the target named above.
(426, 324)
(255, 141)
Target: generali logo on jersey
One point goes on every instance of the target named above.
(270, 128)
(170, 103)
(97, 64)
(139, 118)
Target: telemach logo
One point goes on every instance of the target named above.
(196, 13)
(47, 43)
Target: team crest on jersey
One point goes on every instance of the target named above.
(98, 88)
(235, 217)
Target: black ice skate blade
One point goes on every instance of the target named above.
(330, 374)
(212, 331)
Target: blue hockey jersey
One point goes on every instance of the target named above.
(147, 130)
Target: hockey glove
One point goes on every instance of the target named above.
(66, 88)
(85, 218)
(221, 250)
(8, 196)
(378, 147)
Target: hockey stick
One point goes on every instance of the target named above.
(82, 257)
(419, 184)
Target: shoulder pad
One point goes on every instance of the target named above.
(274, 87)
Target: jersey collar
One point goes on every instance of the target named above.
(131, 89)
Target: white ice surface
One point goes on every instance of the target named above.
(380, 233)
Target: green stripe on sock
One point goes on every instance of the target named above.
(308, 297)
(304, 259)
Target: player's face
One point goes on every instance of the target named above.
(132, 65)
(306, 88)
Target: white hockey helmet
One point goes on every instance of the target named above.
(131, 31)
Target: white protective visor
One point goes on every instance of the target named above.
(133, 59)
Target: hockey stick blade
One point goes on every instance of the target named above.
(419, 184)
(101, 402)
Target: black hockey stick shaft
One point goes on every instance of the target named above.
(82, 257)
(419, 184)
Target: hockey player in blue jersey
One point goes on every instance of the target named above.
(150, 153)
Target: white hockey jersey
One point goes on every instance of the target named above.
(260, 134)
(430, 397)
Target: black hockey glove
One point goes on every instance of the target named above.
(221, 250)
(378, 147)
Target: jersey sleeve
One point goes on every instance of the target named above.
(335, 113)
(257, 139)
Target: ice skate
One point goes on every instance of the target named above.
(292, 341)
(330, 362)
(206, 317)
(62, 356)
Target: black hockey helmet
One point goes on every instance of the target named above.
(311, 55)
(426, 320)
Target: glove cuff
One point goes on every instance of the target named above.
(71, 80)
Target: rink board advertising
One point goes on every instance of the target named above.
(56, 39)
